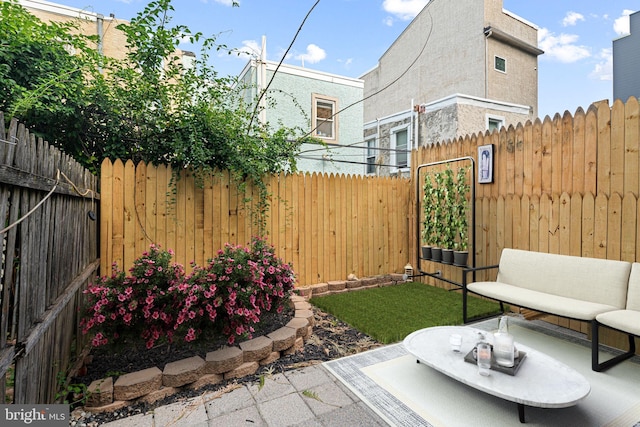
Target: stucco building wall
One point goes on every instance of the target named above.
(290, 104)
(89, 23)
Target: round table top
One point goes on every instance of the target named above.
(541, 381)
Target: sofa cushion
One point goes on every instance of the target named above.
(541, 301)
(600, 281)
(633, 293)
(623, 320)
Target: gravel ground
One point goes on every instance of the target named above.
(331, 339)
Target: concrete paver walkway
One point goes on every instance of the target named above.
(309, 397)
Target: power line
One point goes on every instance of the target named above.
(255, 110)
(352, 145)
(345, 161)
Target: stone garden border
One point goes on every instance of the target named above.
(152, 384)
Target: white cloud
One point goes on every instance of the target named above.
(621, 25)
(313, 55)
(603, 70)
(250, 48)
(346, 63)
(572, 18)
(562, 48)
(226, 2)
(404, 9)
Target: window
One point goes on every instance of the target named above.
(371, 156)
(324, 119)
(494, 123)
(500, 64)
(400, 147)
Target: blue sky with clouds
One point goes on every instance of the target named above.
(347, 37)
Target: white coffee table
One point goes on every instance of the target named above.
(541, 381)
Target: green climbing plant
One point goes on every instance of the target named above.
(150, 106)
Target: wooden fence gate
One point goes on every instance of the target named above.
(49, 232)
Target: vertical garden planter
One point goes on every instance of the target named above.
(447, 256)
(444, 215)
(436, 254)
(460, 258)
(426, 252)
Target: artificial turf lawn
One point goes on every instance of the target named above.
(390, 313)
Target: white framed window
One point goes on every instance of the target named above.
(371, 156)
(494, 122)
(324, 118)
(400, 147)
(500, 64)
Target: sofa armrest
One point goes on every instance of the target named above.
(465, 272)
(473, 270)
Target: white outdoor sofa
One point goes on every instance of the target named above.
(626, 320)
(587, 289)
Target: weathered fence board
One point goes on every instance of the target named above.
(49, 253)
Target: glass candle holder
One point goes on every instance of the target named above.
(484, 358)
(456, 342)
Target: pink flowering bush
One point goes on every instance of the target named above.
(134, 305)
(196, 302)
(157, 301)
(250, 281)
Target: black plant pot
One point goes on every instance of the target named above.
(447, 256)
(436, 254)
(460, 258)
(426, 252)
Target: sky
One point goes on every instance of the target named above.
(347, 37)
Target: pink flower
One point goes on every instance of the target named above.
(179, 320)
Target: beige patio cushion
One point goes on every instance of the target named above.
(599, 281)
(541, 301)
(633, 295)
(624, 320)
(627, 320)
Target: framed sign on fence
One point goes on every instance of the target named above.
(485, 162)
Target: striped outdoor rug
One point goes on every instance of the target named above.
(406, 393)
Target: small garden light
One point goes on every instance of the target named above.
(408, 273)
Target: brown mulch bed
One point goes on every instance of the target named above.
(331, 339)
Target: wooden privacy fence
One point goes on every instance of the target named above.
(327, 226)
(49, 252)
